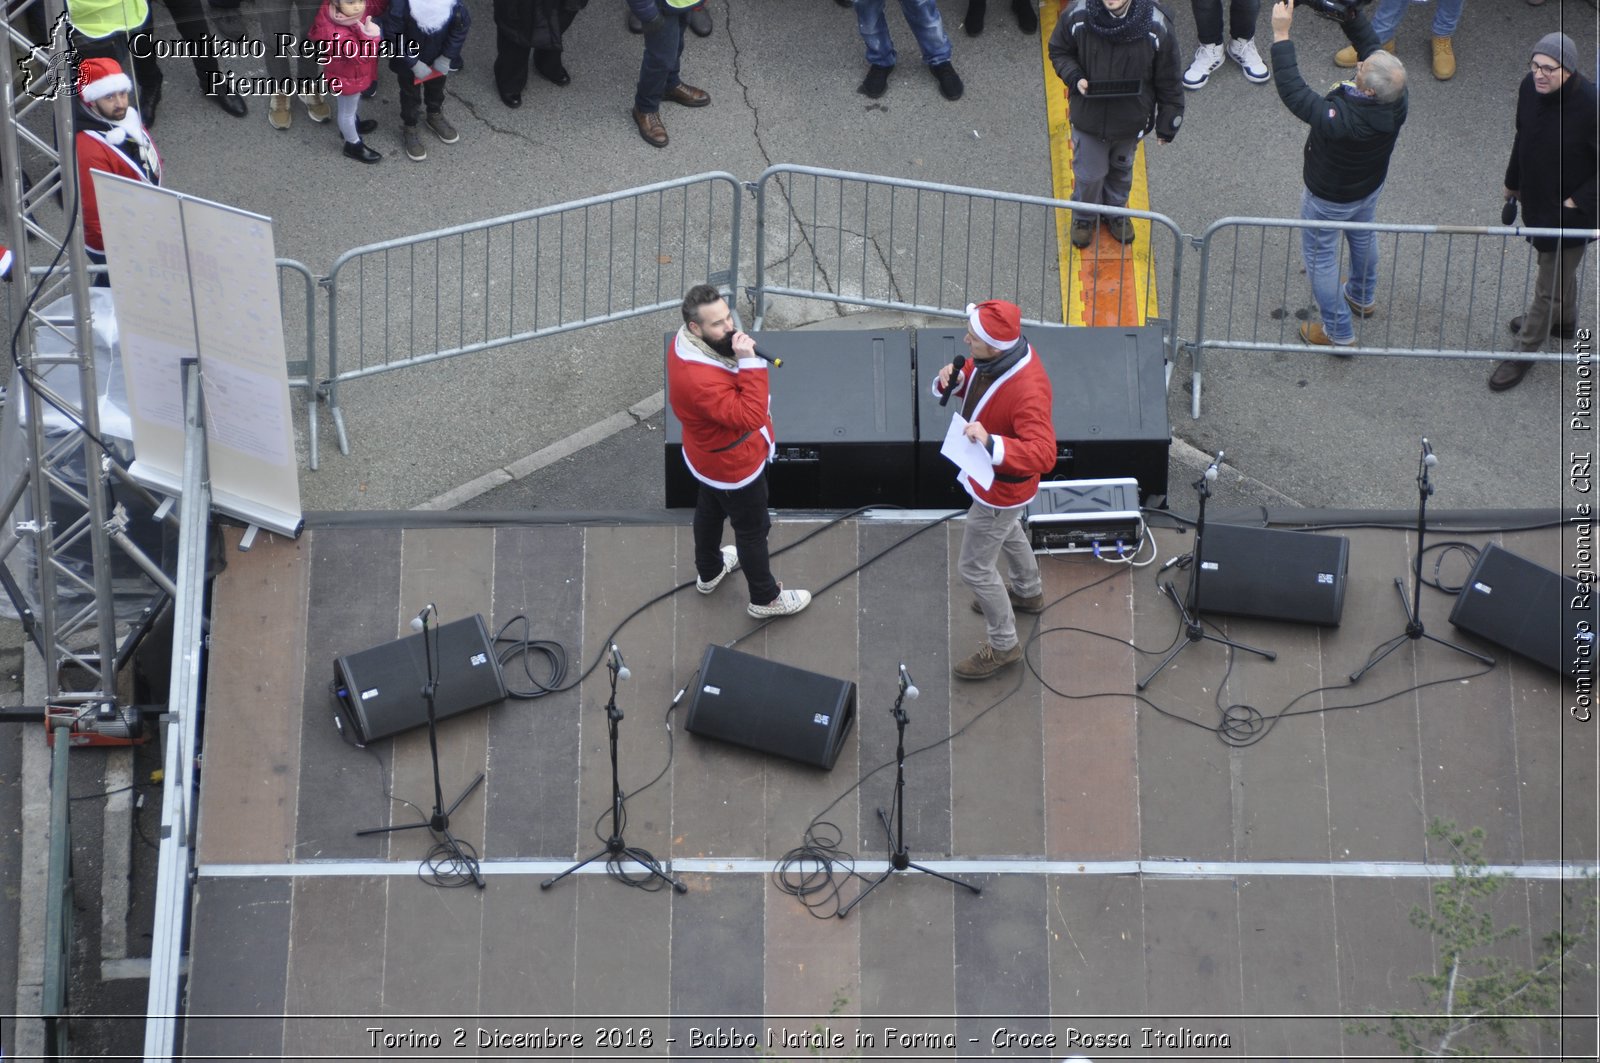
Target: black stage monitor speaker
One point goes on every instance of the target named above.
(1110, 390)
(846, 423)
(1528, 609)
(1274, 574)
(774, 708)
(380, 690)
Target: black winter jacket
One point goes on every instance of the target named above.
(1077, 52)
(1553, 159)
(410, 41)
(1352, 137)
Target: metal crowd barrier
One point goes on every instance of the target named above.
(491, 283)
(920, 247)
(302, 364)
(1442, 292)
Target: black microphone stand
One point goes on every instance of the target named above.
(899, 855)
(616, 850)
(1193, 630)
(453, 861)
(1413, 607)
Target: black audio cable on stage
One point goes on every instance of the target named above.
(85, 347)
(816, 871)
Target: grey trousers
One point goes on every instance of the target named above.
(292, 17)
(1102, 170)
(1555, 296)
(991, 533)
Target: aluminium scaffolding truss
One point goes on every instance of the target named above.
(67, 476)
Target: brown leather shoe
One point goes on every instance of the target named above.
(650, 127)
(1508, 375)
(688, 95)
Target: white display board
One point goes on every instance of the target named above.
(194, 279)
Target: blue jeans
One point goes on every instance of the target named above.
(1446, 13)
(1320, 249)
(923, 15)
(658, 71)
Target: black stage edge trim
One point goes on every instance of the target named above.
(1466, 520)
(1483, 521)
(473, 518)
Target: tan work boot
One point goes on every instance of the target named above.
(1346, 57)
(1444, 59)
(317, 108)
(987, 661)
(278, 113)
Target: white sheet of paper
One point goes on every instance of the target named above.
(971, 458)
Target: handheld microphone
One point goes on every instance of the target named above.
(907, 687)
(1211, 470)
(1508, 213)
(950, 385)
(777, 363)
(419, 621)
(616, 663)
(1428, 457)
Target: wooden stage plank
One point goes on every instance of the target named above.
(245, 961)
(354, 600)
(255, 684)
(1091, 790)
(453, 570)
(997, 758)
(531, 805)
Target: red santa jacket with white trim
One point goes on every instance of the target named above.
(1015, 411)
(728, 436)
(95, 153)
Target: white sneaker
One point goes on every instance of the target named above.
(1207, 58)
(787, 603)
(1243, 51)
(730, 561)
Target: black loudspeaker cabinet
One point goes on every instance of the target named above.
(1110, 403)
(1274, 574)
(846, 424)
(379, 691)
(773, 708)
(1547, 617)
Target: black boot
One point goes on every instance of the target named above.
(366, 125)
(976, 10)
(1027, 17)
(547, 61)
(361, 153)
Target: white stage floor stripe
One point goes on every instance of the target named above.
(1199, 869)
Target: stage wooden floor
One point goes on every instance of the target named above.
(1138, 873)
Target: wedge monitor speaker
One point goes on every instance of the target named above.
(846, 421)
(1110, 408)
(1274, 574)
(380, 691)
(1528, 609)
(773, 708)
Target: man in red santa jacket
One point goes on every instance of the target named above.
(1006, 400)
(111, 138)
(718, 390)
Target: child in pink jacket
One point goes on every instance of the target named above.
(351, 66)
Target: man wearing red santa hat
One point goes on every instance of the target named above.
(1006, 401)
(110, 138)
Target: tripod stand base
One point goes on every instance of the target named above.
(1414, 631)
(449, 852)
(900, 860)
(617, 850)
(1195, 632)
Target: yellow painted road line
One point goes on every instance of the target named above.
(1103, 284)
